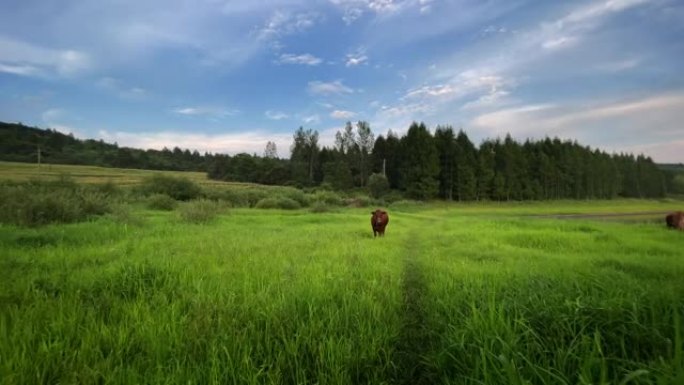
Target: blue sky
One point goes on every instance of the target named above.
(230, 75)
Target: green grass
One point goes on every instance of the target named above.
(453, 294)
(20, 172)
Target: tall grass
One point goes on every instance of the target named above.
(287, 297)
(38, 203)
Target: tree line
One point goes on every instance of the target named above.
(19, 143)
(421, 164)
(449, 166)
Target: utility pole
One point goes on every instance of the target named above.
(383, 167)
(38, 147)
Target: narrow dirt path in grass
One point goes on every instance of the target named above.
(414, 338)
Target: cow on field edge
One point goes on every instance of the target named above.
(379, 221)
(675, 220)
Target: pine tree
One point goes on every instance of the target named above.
(485, 171)
(364, 142)
(445, 141)
(465, 167)
(421, 162)
(304, 153)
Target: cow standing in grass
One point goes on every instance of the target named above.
(379, 221)
(675, 220)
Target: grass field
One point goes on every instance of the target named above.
(20, 172)
(454, 294)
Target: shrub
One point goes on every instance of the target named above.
(178, 188)
(161, 202)
(93, 202)
(38, 203)
(358, 201)
(407, 205)
(327, 197)
(108, 188)
(320, 207)
(199, 211)
(378, 185)
(393, 196)
(279, 202)
(297, 195)
(122, 213)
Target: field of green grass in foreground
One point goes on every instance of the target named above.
(452, 295)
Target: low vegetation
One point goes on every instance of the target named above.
(200, 211)
(38, 203)
(161, 202)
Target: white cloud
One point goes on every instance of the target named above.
(357, 58)
(559, 42)
(439, 90)
(305, 59)
(329, 88)
(619, 65)
(492, 99)
(425, 6)
(342, 114)
(55, 119)
(568, 30)
(282, 23)
(405, 110)
(492, 30)
(206, 111)
(354, 9)
(22, 58)
(250, 141)
(117, 87)
(484, 87)
(597, 10)
(276, 115)
(351, 15)
(384, 6)
(311, 119)
(662, 152)
(22, 69)
(611, 125)
(53, 114)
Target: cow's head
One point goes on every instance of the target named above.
(377, 216)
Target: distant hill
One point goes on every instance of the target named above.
(20, 143)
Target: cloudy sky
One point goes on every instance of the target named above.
(229, 75)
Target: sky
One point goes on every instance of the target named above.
(226, 76)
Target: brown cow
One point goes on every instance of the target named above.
(379, 221)
(675, 220)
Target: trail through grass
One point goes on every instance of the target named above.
(414, 338)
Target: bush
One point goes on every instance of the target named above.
(122, 213)
(38, 203)
(178, 188)
(161, 202)
(358, 201)
(327, 197)
(320, 207)
(393, 196)
(199, 211)
(108, 188)
(297, 195)
(378, 185)
(279, 202)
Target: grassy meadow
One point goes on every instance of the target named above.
(22, 172)
(453, 294)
